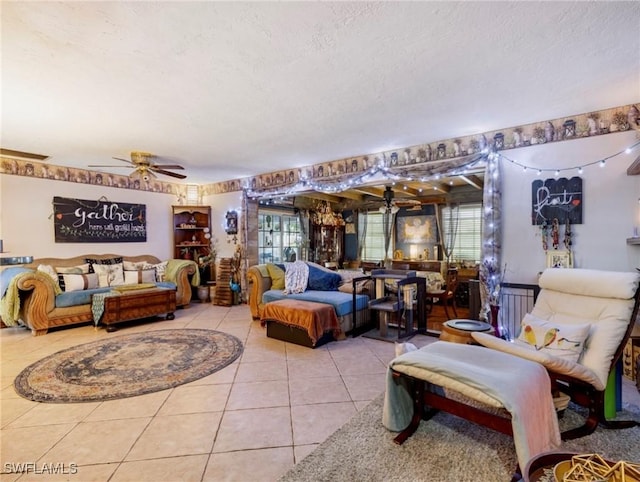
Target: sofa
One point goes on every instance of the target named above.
(337, 288)
(54, 292)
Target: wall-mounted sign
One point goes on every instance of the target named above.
(82, 221)
(556, 199)
(232, 222)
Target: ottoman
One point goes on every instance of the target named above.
(304, 323)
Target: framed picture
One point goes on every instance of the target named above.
(559, 259)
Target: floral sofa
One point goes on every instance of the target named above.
(335, 288)
(53, 292)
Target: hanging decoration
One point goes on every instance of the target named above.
(567, 235)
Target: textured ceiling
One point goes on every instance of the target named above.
(236, 89)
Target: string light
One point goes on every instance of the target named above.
(383, 170)
(556, 171)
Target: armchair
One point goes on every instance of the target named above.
(606, 303)
(502, 386)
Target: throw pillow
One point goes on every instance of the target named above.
(321, 280)
(79, 282)
(277, 276)
(140, 276)
(93, 261)
(49, 270)
(133, 266)
(109, 274)
(60, 270)
(364, 287)
(160, 269)
(558, 339)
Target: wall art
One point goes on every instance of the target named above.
(101, 221)
(559, 199)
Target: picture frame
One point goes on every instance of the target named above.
(559, 259)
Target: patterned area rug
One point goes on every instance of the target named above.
(127, 365)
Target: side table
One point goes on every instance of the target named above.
(459, 331)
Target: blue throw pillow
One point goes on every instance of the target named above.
(321, 280)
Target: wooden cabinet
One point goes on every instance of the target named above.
(327, 244)
(191, 231)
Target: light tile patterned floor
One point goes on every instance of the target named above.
(251, 421)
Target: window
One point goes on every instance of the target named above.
(279, 237)
(373, 245)
(468, 237)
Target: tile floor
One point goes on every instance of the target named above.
(251, 421)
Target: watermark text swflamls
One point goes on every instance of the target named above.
(40, 468)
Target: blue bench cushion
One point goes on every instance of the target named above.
(74, 298)
(340, 301)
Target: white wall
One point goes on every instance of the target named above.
(220, 204)
(26, 223)
(609, 213)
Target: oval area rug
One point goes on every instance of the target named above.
(127, 365)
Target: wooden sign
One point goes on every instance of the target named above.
(82, 221)
(559, 199)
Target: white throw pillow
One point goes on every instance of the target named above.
(49, 270)
(109, 274)
(79, 282)
(134, 266)
(60, 270)
(140, 276)
(563, 340)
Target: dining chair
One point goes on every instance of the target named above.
(447, 293)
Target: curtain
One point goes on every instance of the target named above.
(388, 222)
(449, 237)
(361, 222)
(244, 236)
(303, 219)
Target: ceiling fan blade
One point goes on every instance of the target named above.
(168, 173)
(166, 166)
(125, 160)
(107, 165)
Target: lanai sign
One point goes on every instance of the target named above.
(82, 221)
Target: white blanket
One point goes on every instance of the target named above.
(520, 386)
(296, 277)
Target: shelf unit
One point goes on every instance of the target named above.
(191, 224)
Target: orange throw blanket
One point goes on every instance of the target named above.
(315, 318)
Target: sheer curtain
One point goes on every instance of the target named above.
(388, 222)
(361, 223)
(303, 219)
(451, 231)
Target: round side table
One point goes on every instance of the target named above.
(459, 331)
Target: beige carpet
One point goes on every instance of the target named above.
(444, 449)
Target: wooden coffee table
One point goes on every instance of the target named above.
(138, 304)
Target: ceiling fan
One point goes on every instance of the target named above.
(393, 204)
(144, 168)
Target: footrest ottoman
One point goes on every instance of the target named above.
(304, 323)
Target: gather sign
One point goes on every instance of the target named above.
(101, 221)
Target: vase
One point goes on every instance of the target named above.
(494, 309)
(203, 294)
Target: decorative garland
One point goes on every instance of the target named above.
(342, 174)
